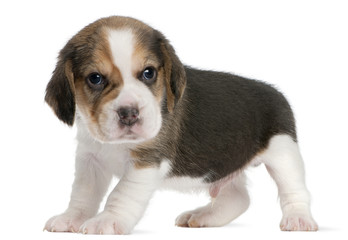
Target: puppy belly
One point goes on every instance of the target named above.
(185, 184)
(195, 184)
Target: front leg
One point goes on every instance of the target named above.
(126, 203)
(92, 179)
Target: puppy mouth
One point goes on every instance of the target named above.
(129, 135)
(129, 131)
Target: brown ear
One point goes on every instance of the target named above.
(175, 76)
(60, 92)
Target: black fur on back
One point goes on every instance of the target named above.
(227, 120)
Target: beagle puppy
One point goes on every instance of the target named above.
(144, 117)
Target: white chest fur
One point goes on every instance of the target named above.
(115, 159)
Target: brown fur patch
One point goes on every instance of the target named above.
(168, 73)
(142, 165)
(143, 58)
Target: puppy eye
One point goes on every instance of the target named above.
(149, 75)
(96, 81)
(95, 78)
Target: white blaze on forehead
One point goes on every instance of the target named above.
(133, 93)
(122, 46)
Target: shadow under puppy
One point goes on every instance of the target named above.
(144, 117)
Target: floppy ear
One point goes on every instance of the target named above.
(60, 92)
(175, 76)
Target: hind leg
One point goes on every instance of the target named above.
(284, 163)
(231, 202)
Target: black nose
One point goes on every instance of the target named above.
(128, 115)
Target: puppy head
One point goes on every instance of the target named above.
(115, 75)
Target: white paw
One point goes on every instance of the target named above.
(200, 217)
(66, 222)
(298, 223)
(183, 219)
(105, 223)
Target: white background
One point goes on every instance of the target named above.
(299, 46)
